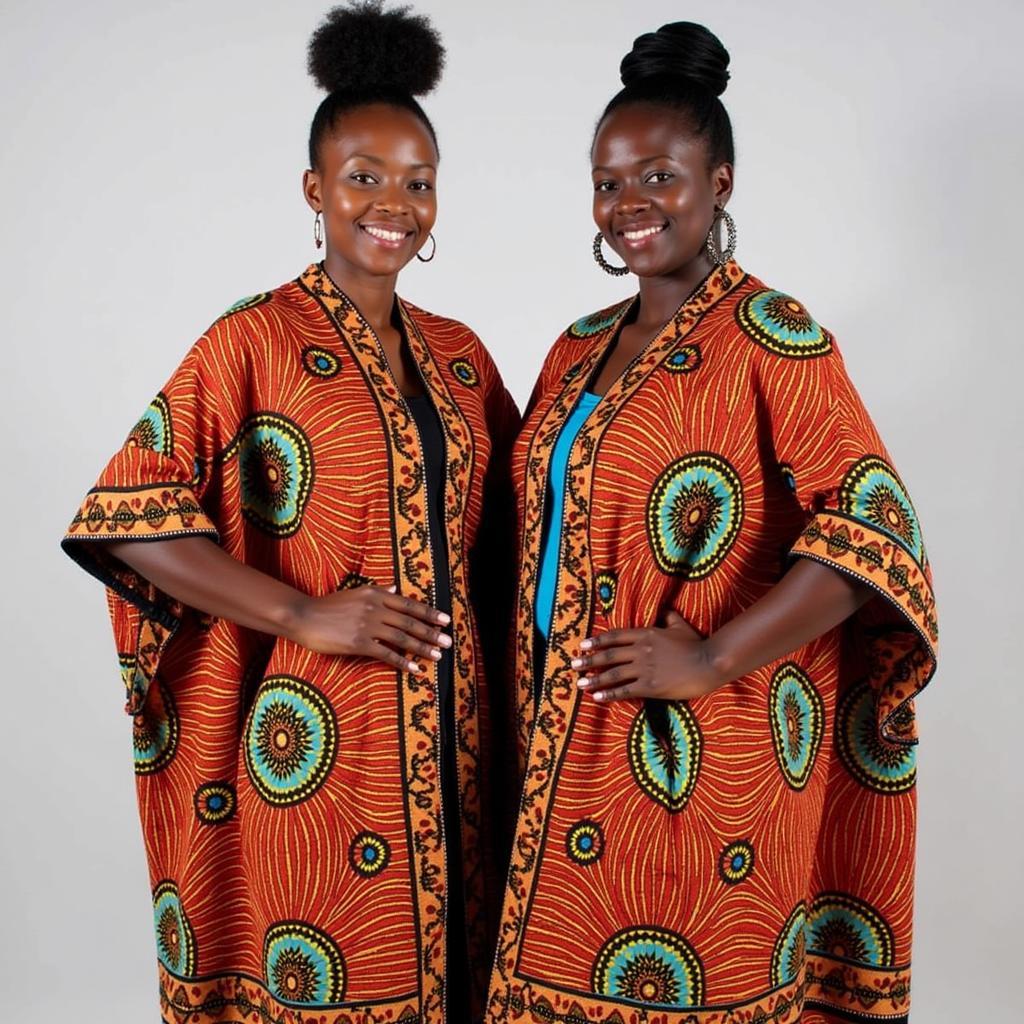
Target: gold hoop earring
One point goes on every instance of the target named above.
(607, 267)
(318, 229)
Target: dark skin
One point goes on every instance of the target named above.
(377, 171)
(655, 197)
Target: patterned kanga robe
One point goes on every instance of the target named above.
(740, 856)
(290, 801)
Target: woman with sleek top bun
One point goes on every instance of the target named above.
(725, 611)
(287, 537)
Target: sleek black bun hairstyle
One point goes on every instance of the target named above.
(684, 68)
(361, 54)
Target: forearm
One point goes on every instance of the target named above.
(195, 571)
(808, 601)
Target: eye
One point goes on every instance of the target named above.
(421, 186)
(604, 186)
(363, 178)
(658, 177)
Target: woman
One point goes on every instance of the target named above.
(724, 613)
(286, 538)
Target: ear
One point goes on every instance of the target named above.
(721, 183)
(311, 190)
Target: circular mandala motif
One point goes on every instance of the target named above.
(606, 586)
(275, 462)
(155, 731)
(320, 363)
(175, 940)
(873, 761)
(649, 965)
(247, 303)
(797, 716)
(303, 965)
(369, 854)
(465, 373)
(664, 752)
(584, 842)
(694, 513)
(215, 802)
(154, 431)
(782, 325)
(850, 929)
(684, 359)
(790, 947)
(874, 493)
(595, 323)
(736, 862)
(291, 740)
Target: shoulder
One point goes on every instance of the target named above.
(455, 344)
(779, 324)
(586, 327)
(253, 322)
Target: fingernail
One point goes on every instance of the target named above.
(435, 654)
(444, 640)
(413, 667)
(443, 619)
(576, 663)
(599, 695)
(393, 589)
(583, 682)
(587, 644)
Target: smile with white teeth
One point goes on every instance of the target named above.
(383, 234)
(641, 233)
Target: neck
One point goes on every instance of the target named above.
(661, 296)
(373, 294)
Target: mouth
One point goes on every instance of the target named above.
(385, 235)
(638, 235)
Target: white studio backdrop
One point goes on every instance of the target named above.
(151, 163)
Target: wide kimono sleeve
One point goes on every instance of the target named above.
(153, 489)
(859, 520)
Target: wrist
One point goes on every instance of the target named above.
(719, 660)
(289, 618)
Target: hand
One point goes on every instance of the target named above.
(672, 663)
(373, 622)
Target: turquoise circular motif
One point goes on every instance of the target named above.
(291, 740)
(684, 359)
(465, 373)
(606, 585)
(874, 762)
(175, 940)
(782, 325)
(694, 513)
(302, 964)
(155, 731)
(874, 493)
(790, 948)
(369, 854)
(584, 842)
(595, 323)
(651, 966)
(275, 462)
(318, 362)
(154, 430)
(850, 929)
(215, 802)
(797, 715)
(736, 862)
(664, 752)
(247, 303)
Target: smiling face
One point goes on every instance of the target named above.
(375, 183)
(654, 193)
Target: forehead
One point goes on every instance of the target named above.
(637, 131)
(391, 134)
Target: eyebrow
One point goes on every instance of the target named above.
(640, 162)
(369, 158)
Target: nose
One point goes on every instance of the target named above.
(629, 203)
(393, 202)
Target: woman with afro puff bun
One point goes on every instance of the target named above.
(288, 539)
(720, 641)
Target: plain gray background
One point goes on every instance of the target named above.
(151, 160)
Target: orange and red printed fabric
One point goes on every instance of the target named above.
(747, 856)
(290, 801)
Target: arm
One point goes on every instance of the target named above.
(675, 663)
(368, 621)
